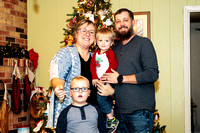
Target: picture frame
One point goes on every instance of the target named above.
(142, 24)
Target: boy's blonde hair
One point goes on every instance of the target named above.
(106, 31)
(80, 78)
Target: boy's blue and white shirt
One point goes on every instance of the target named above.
(64, 65)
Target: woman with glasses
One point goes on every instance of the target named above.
(68, 63)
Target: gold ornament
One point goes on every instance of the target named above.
(106, 0)
(81, 12)
(70, 40)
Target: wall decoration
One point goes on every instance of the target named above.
(142, 24)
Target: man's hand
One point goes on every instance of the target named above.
(110, 77)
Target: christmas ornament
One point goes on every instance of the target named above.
(72, 22)
(100, 12)
(70, 40)
(88, 14)
(107, 11)
(90, 3)
(108, 22)
(81, 12)
(91, 18)
(106, 0)
(66, 41)
(81, 1)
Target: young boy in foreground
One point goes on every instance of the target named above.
(80, 116)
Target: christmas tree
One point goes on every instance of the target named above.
(98, 11)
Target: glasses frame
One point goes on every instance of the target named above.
(84, 32)
(80, 89)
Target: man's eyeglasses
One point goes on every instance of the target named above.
(84, 89)
(84, 31)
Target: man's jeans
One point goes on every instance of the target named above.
(140, 121)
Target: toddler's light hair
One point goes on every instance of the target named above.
(105, 31)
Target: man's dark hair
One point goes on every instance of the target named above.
(125, 10)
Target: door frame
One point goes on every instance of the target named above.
(187, 76)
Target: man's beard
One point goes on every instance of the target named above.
(124, 35)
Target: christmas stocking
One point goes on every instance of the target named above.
(15, 96)
(27, 89)
(27, 92)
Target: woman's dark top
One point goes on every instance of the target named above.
(85, 71)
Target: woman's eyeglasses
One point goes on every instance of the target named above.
(84, 31)
(84, 89)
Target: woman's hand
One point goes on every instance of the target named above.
(60, 92)
(58, 86)
(105, 89)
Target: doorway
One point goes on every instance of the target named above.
(195, 70)
(189, 83)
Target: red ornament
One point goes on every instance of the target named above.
(66, 41)
(71, 23)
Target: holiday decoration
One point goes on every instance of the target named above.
(13, 51)
(37, 108)
(27, 88)
(15, 95)
(4, 109)
(97, 11)
(81, 12)
(39, 101)
(33, 57)
(156, 127)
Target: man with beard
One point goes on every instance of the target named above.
(134, 78)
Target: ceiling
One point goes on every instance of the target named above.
(194, 17)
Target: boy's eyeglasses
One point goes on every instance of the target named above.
(84, 31)
(84, 89)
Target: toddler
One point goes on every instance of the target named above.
(102, 61)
